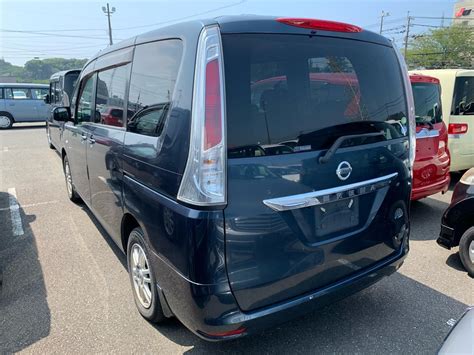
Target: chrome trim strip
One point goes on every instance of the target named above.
(315, 198)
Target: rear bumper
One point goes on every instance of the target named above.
(428, 190)
(211, 312)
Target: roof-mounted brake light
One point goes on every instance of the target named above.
(313, 24)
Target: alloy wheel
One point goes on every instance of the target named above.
(67, 173)
(141, 276)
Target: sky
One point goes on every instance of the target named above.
(78, 29)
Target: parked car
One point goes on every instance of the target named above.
(22, 103)
(460, 339)
(457, 223)
(432, 159)
(214, 233)
(61, 87)
(457, 96)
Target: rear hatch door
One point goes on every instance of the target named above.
(295, 224)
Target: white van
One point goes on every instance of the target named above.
(457, 96)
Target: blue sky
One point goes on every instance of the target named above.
(79, 28)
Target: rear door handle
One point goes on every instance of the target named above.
(91, 140)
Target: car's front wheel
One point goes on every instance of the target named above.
(142, 279)
(466, 250)
(48, 136)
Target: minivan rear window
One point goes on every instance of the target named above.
(303, 92)
(463, 103)
(427, 102)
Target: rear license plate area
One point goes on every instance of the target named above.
(336, 216)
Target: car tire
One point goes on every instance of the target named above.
(48, 136)
(142, 279)
(466, 251)
(6, 120)
(71, 190)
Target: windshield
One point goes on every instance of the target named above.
(308, 91)
(463, 103)
(427, 102)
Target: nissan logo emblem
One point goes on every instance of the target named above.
(344, 170)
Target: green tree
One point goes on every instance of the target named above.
(450, 47)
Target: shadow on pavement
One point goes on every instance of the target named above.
(454, 261)
(25, 316)
(27, 126)
(398, 311)
(423, 212)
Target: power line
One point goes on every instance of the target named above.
(184, 17)
(38, 33)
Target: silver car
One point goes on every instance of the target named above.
(22, 103)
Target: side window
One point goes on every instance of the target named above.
(57, 92)
(1, 93)
(40, 94)
(19, 94)
(51, 92)
(110, 98)
(154, 72)
(84, 106)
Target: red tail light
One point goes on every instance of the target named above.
(313, 24)
(213, 120)
(457, 128)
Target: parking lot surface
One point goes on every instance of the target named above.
(66, 288)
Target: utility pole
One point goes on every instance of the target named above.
(109, 12)
(442, 20)
(384, 14)
(407, 33)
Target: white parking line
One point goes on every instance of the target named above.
(17, 226)
(31, 205)
(5, 149)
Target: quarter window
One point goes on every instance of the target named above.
(84, 106)
(463, 103)
(154, 72)
(40, 94)
(110, 99)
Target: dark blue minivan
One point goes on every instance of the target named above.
(251, 168)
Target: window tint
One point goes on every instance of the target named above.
(69, 83)
(427, 102)
(302, 93)
(110, 98)
(154, 72)
(463, 103)
(84, 106)
(18, 93)
(40, 94)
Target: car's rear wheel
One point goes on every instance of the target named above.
(466, 250)
(71, 190)
(6, 120)
(142, 278)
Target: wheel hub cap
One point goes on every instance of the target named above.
(4, 121)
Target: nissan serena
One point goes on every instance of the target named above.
(261, 166)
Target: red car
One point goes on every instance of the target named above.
(432, 159)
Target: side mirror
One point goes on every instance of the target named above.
(47, 99)
(61, 114)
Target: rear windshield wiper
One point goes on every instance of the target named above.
(337, 143)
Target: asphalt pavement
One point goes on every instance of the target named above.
(66, 289)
